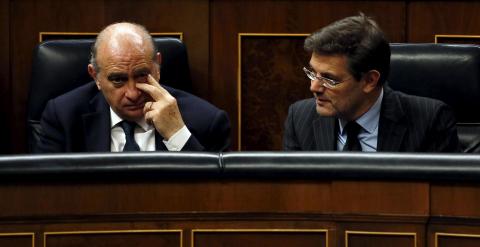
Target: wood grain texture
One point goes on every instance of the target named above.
(427, 18)
(15, 241)
(272, 79)
(257, 239)
(375, 208)
(115, 238)
(169, 196)
(455, 200)
(384, 197)
(461, 233)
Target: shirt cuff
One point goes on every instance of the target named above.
(178, 140)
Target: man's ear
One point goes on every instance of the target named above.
(158, 57)
(371, 81)
(93, 74)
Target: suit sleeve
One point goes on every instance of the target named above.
(217, 136)
(290, 140)
(444, 131)
(52, 139)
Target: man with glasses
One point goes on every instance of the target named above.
(352, 108)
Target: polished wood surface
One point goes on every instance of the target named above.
(239, 238)
(238, 212)
(140, 238)
(428, 18)
(16, 239)
(253, 212)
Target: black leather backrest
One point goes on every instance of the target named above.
(450, 73)
(61, 65)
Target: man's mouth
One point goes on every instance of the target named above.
(321, 101)
(134, 107)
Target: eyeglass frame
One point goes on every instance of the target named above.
(326, 82)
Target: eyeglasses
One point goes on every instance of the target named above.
(326, 82)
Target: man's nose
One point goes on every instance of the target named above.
(131, 91)
(316, 86)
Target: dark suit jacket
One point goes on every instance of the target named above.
(407, 124)
(79, 121)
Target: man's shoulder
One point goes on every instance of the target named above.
(79, 94)
(74, 102)
(416, 102)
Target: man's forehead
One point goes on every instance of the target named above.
(123, 52)
(332, 60)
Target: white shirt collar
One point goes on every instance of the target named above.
(115, 119)
(369, 120)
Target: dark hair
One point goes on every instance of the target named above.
(358, 38)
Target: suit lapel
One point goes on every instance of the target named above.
(324, 132)
(392, 125)
(96, 125)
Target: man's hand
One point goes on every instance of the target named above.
(163, 112)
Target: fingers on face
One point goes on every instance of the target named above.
(152, 81)
(147, 107)
(150, 90)
(154, 89)
(155, 83)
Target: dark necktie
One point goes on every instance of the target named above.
(129, 129)
(353, 144)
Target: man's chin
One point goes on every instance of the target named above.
(324, 112)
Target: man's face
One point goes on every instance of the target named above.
(345, 100)
(121, 67)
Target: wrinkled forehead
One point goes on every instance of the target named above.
(124, 42)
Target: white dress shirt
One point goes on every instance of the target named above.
(144, 136)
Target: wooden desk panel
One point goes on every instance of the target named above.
(354, 212)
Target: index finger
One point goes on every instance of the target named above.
(155, 83)
(153, 91)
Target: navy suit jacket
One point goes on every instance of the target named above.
(407, 124)
(79, 121)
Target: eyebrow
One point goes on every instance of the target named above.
(116, 75)
(141, 71)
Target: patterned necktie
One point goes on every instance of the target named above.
(353, 144)
(129, 129)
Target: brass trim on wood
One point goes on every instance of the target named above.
(239, 73)
(458, 235)
(459, 36)
(93, 232)
(15, 234)
(413, 234)
(41, 34)
(254, 230)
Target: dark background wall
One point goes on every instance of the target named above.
(270, 66)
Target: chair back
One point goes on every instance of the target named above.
(450, 73)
